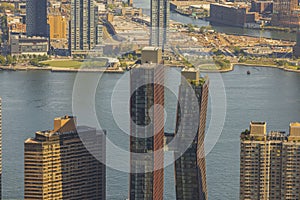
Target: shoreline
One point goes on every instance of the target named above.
(120, 70)
(248, 65)
(59, 69)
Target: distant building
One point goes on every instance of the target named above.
(82, 27)
(296, 48)
(151, 55)
(190, 167)
(59, 166)
(58, 26)
(21, 6)
(231, 15)
(270, 163)
(130, 11)
(99, 34)
(23, 45)
(36, 18)
(147, 133)
(160, 21)
(262, 7)
(110, 17)
(286, 13)
(16, 25)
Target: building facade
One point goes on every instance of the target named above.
(270, 163)
(151, 55)
(59, 166)
(58, 26)
(190, 167)
(159, 22)
(82, 26)
(36, 18)
(147, 133)
(22, 45)
(286, 13)
(231, 15)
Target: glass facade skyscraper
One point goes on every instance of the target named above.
(190, 167)
(58, 163)
(160, 19)
(147, 133)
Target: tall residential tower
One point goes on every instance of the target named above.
(82, 26)
(270, 163)
(160, 17)
(36, 18)
(59, 166)
(147, 133)
(190, 167)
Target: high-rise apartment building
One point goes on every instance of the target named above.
(59, 166)
(147, 133)
(190, 167)
(160, 19)
(82, 26)
(36, 18)
(270, 163)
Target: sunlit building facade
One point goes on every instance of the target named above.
(270, 163)
(57, 164)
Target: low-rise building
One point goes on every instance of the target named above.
(262, 7)
(15, 24)
(23, 45)
(130, 11)
(232, 15)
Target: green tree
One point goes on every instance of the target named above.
(15, 59)
(9, 60)
(190, 27)
(2, 60)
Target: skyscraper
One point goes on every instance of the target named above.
(59, 166)
(147, 133)
(270, 163)
(160, 17)
(82, 26)
(36, 18)
(190, 167)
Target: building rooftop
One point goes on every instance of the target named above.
(149, 48)
(258, 133)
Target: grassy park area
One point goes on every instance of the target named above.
(74, 64)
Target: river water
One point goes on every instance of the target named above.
(31, 100)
